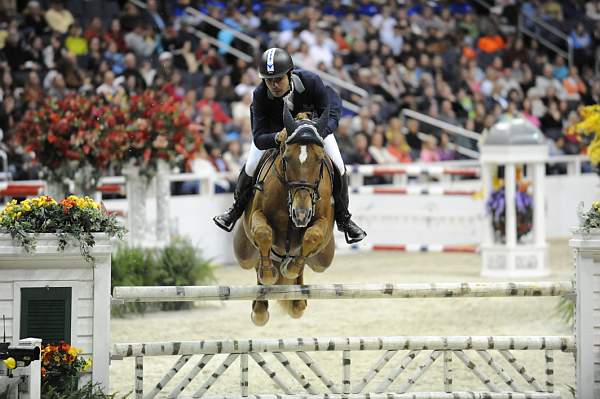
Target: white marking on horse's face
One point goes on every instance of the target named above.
(303, 154)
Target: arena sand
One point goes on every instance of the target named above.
(470, 316)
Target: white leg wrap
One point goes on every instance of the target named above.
(254, 156)
(333, 151)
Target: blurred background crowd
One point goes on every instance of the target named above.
(455, 61)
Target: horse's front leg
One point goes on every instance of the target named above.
(314, 239)
(262, 236)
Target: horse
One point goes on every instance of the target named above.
(288, 224)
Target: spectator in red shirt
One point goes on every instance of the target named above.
(94, 30)
(208, 99)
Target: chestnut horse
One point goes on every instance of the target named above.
(289, 222)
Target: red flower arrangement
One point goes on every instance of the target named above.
(70, 134)
(159, 130)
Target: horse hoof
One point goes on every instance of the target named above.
(268, 275)
(292, 269)
(297, 309)
(260, 319)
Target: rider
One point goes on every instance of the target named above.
(303, 91)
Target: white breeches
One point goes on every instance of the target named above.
(253, 158)
(331, 149)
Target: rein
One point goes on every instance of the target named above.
(292, 187)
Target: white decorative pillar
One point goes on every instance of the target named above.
(586, 255)
(511, 144)
(163, 196)
(510, 192)
(539, 210)
(136, 188)
(55, 190)
(487, 187)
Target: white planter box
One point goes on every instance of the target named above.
(586, 258)
(90, 291)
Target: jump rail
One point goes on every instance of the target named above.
(410, 395)
(427, 349)
(312, 344)
(341, 291)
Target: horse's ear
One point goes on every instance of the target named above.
(322, 122)
(288, 120)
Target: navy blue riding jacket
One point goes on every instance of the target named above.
(310, 95)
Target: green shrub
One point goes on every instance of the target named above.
(88, 391)
(179, 263)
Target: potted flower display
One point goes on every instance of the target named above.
(496, 207)
(73, 219)
(61, 368)
(74, 139)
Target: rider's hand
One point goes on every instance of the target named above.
(281, 137)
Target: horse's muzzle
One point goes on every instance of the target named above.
(301, 216)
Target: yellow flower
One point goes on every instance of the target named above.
(88, 365)
(74, 351)
(589, 110)
(10, 363)
(590, 124)
(595, 204)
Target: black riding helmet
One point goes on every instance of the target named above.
(275, 62)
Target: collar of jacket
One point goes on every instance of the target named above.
(296, 85)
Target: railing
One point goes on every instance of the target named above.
(484, 3)
(455, 130)
(255, 44)
(440, 171)
(525, 20)
(231, 50)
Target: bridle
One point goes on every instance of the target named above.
(295, 186)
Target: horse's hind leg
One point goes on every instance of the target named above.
(295, 308)
(260, 312)
(245, 253)
(262, 235)
(299, 305)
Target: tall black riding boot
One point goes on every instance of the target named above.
(351, 230)
(241, 196)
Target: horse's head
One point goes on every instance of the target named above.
(303, 156)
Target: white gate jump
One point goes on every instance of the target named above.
(448, 348)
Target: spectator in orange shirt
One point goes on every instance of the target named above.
(491, 43)
(573, 85)
(398, 148)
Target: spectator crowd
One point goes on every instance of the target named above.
(450, 60)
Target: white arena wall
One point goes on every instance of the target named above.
(388, 219)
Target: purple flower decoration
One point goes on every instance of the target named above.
(496, 206)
